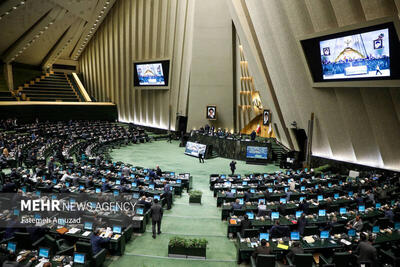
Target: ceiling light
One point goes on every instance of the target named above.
(22, 3)
(14, 7)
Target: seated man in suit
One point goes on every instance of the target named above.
(12, 261)
(230, 194)
(263, 249)
(366, 252)
(236, 205)
(356, 224)
(278, 230)
(262, 209)
(296, 249)
(98, 242)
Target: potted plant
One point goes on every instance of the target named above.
(195, 196)
(197, 248)
(177, 247)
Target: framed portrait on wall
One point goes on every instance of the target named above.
(266, 117)
(211, 112)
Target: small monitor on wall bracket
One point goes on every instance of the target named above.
(151, 74)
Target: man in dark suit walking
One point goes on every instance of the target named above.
(156, 213)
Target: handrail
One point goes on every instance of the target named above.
(81, 88)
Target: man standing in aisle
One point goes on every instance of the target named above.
(233, 166)
(156, 213)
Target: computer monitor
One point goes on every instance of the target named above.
(117, 229)
(134, 184)
(23, 189)
(139, 211)
(320, 198)
(294, 236)
(233, 190)
(44, 253)
(361, 208)
(53, 197)
(241, 201)
(270, 190)
(302, 198)
(54, 181)
(145, 170)
(264, 236)
(38, 193)
(322, 213)
(397, 225)
(274, 215)
(238, 176)
(79, 258)
(329, 184)
(324, 234)
(302, 188)
(103, 180)
(16, 212)
(179, 181)
(117, 182)
(375, 229)
(342, 211)
(252, 190)
(98, 190)
(340, 182)
(286, 189)
(298, 213)
(228, 183)
(12, 246)
(81, 187)
(133, 169)
(119, 174)
(350, 194)
(261, 199)
(172, 174)
(351, 232)
(151, 186)
(146, 178)
(377, 205)
(336, 196)
(116, 193)
(251, 176)
(282, 200)
(135, 195)
(223, 176)
(157, 197)
(162, 179)
(316, 186)
(250, 214)
(88, 226)
(37, 216)
(244, 183)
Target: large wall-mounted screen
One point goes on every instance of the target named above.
(151, 74)
(256, 152)
(370, 53)
(362, 55)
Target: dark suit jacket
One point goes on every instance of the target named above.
(261, 250)
(15, 264)
(156, 212)
(245, 224)
(293, 251)
(367, 252)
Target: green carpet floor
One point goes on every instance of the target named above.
(183, 219)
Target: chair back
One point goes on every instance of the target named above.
(265, 260)
(341, 259)
(303, 260)
(311, 230)
(23, 240)
(250, 233)
(337, 229)
(84, 247)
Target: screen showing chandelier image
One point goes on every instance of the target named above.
(150, 74)
(362, 55)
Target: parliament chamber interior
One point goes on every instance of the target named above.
(193, 133)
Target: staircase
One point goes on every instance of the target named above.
(278, 149)
(52, 86)
(6, 96)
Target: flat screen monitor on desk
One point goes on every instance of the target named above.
(350, 194)
(135, 195)
(79, 258)
(377, 205)
(117, 229)
(139, 211)
(261, 199)
(98, 190)
(351, 233)
(252, 190)
(302, 188)
(336, 196)
(223, 176)
(179, 181)
(162, 179)
(157, 197)
(241, 201)
(397, 226)
(282, 200)
(146, 178)
(270, 190)
(322, 213)
(361, 208)
(320, 197)
(233, 190)
(274, 215)
(264, 236)
(116, 193)
(134, 184)
(324, 234)
(342, 211)
(294, 236)
(244, 183)
(298, 214)
(88, 226)
(172, 174)
(151, 186)
(118, 182)
(375, 229)
(12, 246)
(329, 184)
(251, 215)
(44, 253)
(16, 212)
(302, 198)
